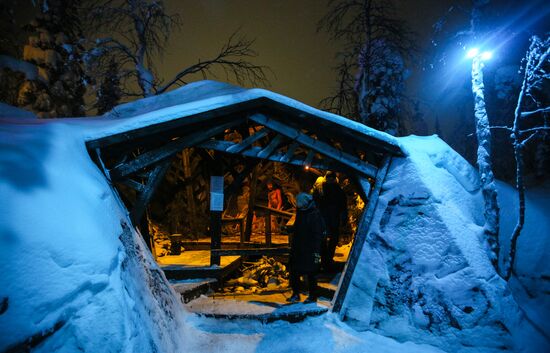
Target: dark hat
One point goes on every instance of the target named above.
(330, 174)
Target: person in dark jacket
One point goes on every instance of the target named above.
(332, 203)
(305, 247)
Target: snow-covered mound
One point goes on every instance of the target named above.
(75, 276)
(423, 274)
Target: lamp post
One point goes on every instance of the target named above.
(483, 133)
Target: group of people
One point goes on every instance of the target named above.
(315, 234)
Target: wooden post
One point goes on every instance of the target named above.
(216, 236)
(251, 202)
(192, 210)
(144, 230)
(360, 237)
(268, 228)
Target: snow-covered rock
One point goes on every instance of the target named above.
(423, 274)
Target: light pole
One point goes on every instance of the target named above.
(483, 133)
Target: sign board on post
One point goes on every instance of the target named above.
(216, 193)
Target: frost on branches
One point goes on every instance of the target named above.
(531, 124)
(487, 178)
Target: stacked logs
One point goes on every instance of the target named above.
(265, 275)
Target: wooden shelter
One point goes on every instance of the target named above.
(273, 127)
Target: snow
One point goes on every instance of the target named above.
(73, 267)
(424, 274)
(531, 285)
(8, 111)
(202, 96)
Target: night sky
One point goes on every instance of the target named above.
(286, 38)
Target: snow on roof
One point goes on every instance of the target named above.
(30, 70)
(206, 95)
(8, 111)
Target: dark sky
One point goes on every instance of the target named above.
(286, 38)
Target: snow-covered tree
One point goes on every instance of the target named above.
(531, 124)
(54, 47)
(135, 32)
(475, 32)
(109, 93)
(376, 45)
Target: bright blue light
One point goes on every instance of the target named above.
(486, 55)
(472, 53)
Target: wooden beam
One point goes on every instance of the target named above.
(131, 183)
(154, 179)
(309, 158)
(271, 147)
(222, 146)
(237, 148)
(148, 158)
(360, 237)
(319, 146)
(290, 152)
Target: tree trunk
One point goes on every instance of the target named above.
(488, 186)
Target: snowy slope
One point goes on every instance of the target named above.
(531, 284)
(423, 274)
(70, 269)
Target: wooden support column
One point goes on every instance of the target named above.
(251, 202)
(216, 215)
(216, 236)
(153, 180)
(192, 210)
(268, 228)
(360, 237)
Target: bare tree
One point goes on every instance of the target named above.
(372, 69)
(138, 33)
(529, 125)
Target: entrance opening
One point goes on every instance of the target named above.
(256, 226)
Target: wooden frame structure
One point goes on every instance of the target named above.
(270, 130)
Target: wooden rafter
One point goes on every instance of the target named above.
(317, 145)
(154, 178)
(223, 146)
(247, 142)
(290, 152)
(148, 158)
(309, 158)
(271, 147)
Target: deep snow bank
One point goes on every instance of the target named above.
(423, 274)
(74, 275)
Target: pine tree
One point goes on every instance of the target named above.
(376, 45)
(54, 47)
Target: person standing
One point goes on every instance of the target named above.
(332, 203)
(305, 247)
